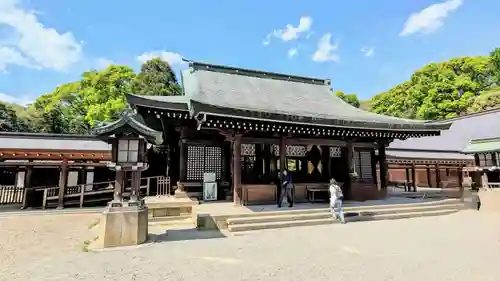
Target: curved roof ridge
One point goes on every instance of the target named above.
(257, 73)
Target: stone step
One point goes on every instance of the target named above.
(286, 211)
(325, 213)
(329, 220)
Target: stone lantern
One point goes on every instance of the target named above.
(125, 222)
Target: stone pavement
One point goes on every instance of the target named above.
(462, 246)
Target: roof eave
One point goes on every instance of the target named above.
(144, 101)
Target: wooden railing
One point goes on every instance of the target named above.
(81, 191)
(494, 185)
(11, 194)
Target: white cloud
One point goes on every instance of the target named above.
(35, 45)
(18, 100)
(368, 51)
(326, 49)
(429, 19)
(10, 55)
(172, 58)
(292, 52)
(290, 32)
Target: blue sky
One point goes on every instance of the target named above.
(363, 46)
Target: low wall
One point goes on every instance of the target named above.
(361, 191)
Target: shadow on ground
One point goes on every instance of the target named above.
(171, 235)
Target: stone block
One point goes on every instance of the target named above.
(123, 226)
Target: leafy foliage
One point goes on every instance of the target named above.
(495, 64)
(156, 79)
(99, 96)
(440, 90)
(351, 99)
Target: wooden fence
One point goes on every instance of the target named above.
(11, 194)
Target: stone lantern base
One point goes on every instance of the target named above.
(124, 225)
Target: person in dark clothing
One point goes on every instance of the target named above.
(286, 189)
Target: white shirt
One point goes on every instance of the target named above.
(335, 190)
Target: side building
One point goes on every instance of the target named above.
(440, 161)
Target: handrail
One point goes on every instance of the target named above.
(50, 193)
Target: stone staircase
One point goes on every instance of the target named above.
(281, 219)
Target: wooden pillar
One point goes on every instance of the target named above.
(407, 173)
(119, 184)
(237, 169)
(282, 157)
(373, 160)
(438, 177)
(259, 159)
(135, 186)
(494, 159)
(460, 183)
(428, 170)
(348, 190)
(28, 189)
(182, 154)
(414, 177)
(382, 165)
(63, 182)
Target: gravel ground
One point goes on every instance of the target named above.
(462, 246)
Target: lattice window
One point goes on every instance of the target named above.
(204, 159)
(485, 160)
(291, 150)
(335, 151)
(247, 149)
(363, 164)
(213, 160)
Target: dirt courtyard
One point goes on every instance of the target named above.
(461, 246)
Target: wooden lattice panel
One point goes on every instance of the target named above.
(247, 149)
(204, 159)
(365, 165)
(335, 152)
(195, 162)
(291, 150)
(213, 160)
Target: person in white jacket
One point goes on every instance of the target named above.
(336, 197)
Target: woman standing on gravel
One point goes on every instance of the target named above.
(336, 197)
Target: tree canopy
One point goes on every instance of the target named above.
(441, 90)
(351, 99)
(156, 79)
(99, 96)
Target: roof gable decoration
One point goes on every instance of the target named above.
(484, 145)
(129, 120)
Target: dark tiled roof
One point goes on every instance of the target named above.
(135, 122)
(462, 131)
(31, 141)
(239, 92)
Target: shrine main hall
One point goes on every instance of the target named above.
(246, 126)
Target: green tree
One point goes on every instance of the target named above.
(156, 79)
(351, 99)
(75, 107)
(495, 64)
(438, 90)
